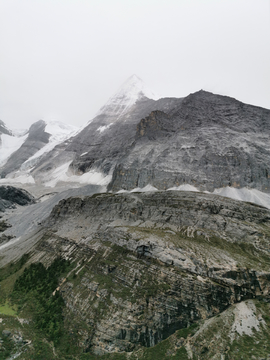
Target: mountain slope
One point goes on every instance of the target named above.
(205, 140)
(103, 140)
(209, 141)
(36, 139)
(142, 266)
(21, 153)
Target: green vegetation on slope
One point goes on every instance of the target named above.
(6, 309)
(38, 284)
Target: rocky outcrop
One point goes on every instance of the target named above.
(205, 140)
(102, 143)
(209, 141)
(11, 196)
(148, 264)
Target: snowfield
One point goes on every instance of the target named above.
(63, 174)
(59, 133)
(9, 145)
(245, 194)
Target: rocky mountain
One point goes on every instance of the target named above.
(209, 141)
(96, 148)
(205, 140)
(143, 267)
(136, 259)
(21, 151)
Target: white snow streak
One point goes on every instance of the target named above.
(9, 145)
(18, 178)
(249, 195)
(62, 173)
(138, 189)
(103, 128)
(184, 187)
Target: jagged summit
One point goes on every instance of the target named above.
(131, 90)
(134, 87)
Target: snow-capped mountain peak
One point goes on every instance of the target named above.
(59, 129)
(131, 90)
(134, 88)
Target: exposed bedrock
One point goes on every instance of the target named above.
(11, 196)
(209, 141)
(151, 263)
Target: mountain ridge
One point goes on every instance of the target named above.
(205, 140)
(150, 261)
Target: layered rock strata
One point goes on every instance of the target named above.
(149, 264)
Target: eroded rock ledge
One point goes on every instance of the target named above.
(148, 264)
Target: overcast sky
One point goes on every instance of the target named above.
(62, 59)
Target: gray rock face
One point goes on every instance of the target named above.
(145, 264)
(225, 217)
(205, 140)
(10, 196)
(151, 263)
(26, 221)
(209, 141)
(36, 139)
(95, 148)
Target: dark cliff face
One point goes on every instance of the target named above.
(37, 138)
(209, 141)
(103, 149)
(11, 196)
(205, 140)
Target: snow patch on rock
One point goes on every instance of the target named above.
(103, 128)
(184, 187)
(18, 178)
(145, 189)
(63, 174)
(250, 195)
(244, 194)
(138, 189)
